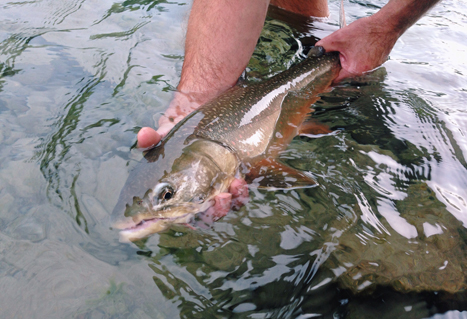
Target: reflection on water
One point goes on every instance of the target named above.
(384, 233)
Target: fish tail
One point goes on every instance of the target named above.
(342, 15)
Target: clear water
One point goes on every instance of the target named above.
(383, 236)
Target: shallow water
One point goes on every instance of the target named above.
(383, 235)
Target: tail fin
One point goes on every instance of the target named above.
(319, 51)
(342, 15)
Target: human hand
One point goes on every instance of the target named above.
(363, 45)
(235, 198)
(182, 104)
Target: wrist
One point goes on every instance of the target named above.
(204, 77)
(386, 26)
(201, 90)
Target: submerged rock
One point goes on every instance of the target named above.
(434, 260)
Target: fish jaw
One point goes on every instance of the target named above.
(150, 226)
(158, 219)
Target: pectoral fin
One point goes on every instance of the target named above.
(271, 174)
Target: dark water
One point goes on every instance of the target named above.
(384, 235)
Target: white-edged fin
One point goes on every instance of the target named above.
(316, 52)
(342, 15)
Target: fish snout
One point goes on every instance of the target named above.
(127, 216)
(122, 223)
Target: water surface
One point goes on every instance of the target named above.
(384, 234)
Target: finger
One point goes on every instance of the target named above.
(147, 137)
(222, 205)
(220, 208)
(330, 46)
(329, 43)
(238, 188)
(344, 74)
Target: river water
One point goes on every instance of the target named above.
(384, 235)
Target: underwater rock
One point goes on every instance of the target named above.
(432, 261)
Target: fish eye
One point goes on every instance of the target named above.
(166, 194)
(163, 192)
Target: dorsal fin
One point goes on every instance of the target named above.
(342, 15)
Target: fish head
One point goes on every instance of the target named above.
(185, 189)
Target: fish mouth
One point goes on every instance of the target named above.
(148, 221)
(149, 226)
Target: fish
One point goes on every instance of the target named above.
(239, 134)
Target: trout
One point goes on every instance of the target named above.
(237, 135)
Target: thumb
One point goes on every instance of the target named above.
(329, 43)
(147, 137)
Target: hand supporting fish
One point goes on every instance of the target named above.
(237, 135)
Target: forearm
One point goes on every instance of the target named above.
(220, 40)
(398, 15)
